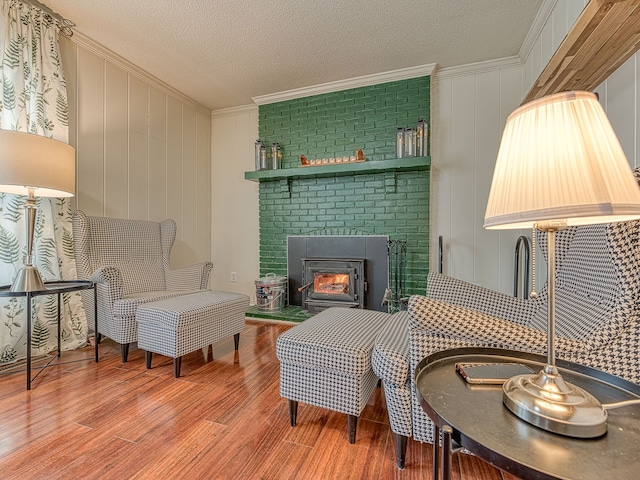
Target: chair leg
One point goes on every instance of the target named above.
(147, 358)
(236, 341)
(352, 424)
(401, 450)
(124, 352)
(177, 363)
(293, 412)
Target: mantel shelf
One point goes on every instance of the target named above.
(341, 169)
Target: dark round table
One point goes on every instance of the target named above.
(474, 417)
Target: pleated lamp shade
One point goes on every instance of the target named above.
(560, 160)
(44, 164)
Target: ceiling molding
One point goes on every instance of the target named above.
(478, 67)
(106, 54)
(364, 81)
(233, 111)
(542, 17)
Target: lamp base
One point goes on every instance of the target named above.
(548, 402)
(28, 279)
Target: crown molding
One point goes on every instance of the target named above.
(479, 67)
(542, 17)
(366, 80)
(100, 50)
(233, 111)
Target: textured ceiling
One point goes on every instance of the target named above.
(221, 53)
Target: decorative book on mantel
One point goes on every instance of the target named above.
(314, 162)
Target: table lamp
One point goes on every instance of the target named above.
(559, 164)
(34, 165)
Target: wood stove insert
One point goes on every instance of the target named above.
(333, 282)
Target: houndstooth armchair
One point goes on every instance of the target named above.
(129, 261)
(597, 324)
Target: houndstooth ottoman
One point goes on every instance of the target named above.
(326, 361)
(180, 325)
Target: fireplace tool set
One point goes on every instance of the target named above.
(393, 296)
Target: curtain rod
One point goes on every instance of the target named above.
(66, 25)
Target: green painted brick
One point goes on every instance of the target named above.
(336, 124)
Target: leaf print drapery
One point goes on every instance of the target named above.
(34, 100)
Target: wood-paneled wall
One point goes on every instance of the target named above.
(143, 149)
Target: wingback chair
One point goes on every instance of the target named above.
(597, 319)
(129, 261)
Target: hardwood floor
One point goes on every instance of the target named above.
(222, 419)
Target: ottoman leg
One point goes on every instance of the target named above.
(177, 363)
(352, 423)
(147, 358)
(401, 450)
(236, 340)
(293, 412)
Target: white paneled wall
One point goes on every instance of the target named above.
(235, 200)
(143, 149)
(470, 107)
(471, 104)
(619, 95)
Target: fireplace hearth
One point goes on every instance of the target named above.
(333, 283)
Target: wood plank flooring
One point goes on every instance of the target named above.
(222, 419)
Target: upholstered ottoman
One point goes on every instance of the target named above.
(180, 325)
(326, 361)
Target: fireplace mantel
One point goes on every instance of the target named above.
(332, 170)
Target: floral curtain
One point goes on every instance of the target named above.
(34, 99)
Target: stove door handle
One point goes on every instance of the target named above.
(304, 287)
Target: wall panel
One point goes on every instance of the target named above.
(157, 154)
(189, 222)
(235, 229)
(471, 107)
(461, 162)
(441, 140)
(620, 102)
(174, 183)
(91, 132)
(203, 214)
(116, 141)
(489, 122)
(140, 146)
(560, 27)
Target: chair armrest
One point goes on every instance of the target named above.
(109, 282)
(193, 277)
(466, 327)
(390, 357)
(464, 294)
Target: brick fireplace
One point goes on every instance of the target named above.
(378, 202)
